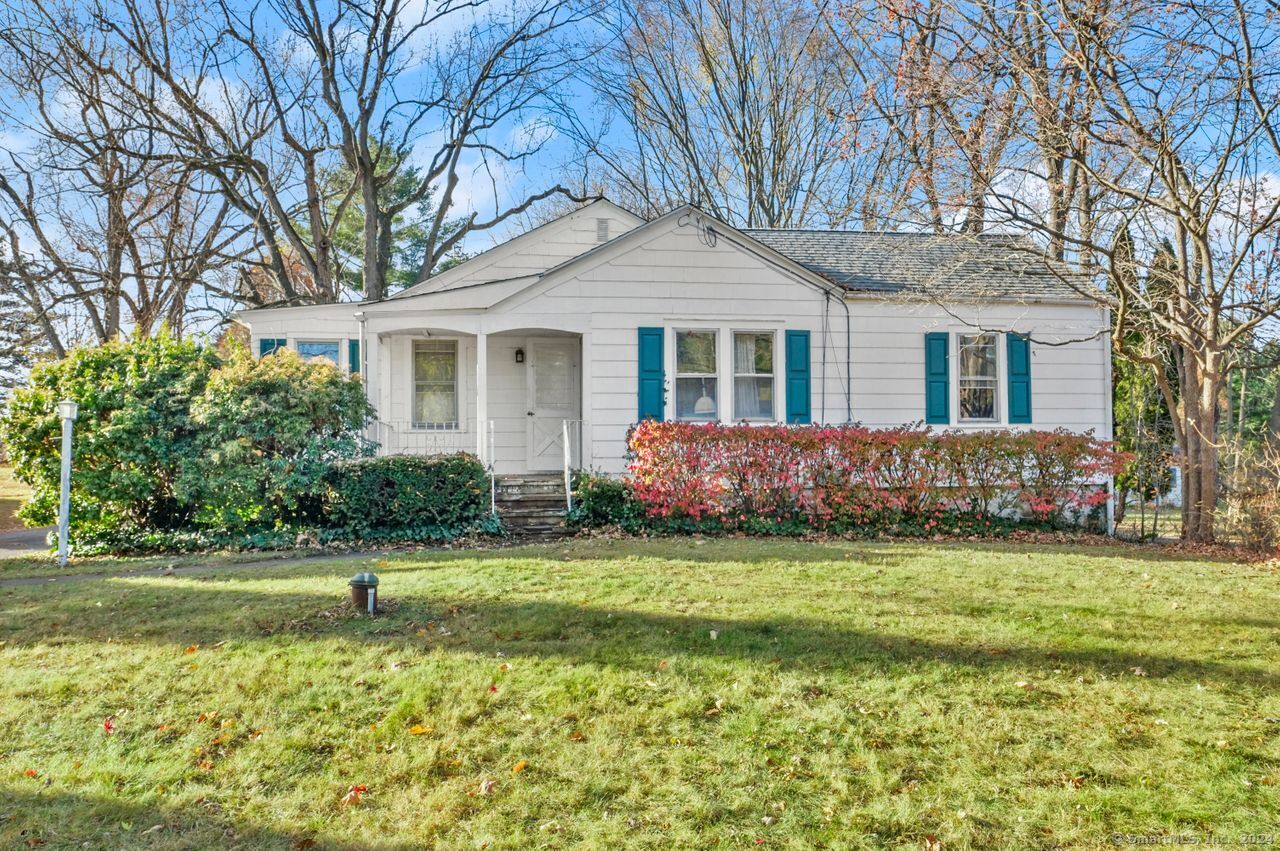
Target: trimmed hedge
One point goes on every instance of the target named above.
(791, 480)
(408, 497)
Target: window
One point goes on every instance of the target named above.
(319, 350)
(435, 384)
(978, 377)
(696, 391)
(753, 375)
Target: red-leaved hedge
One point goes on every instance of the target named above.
(847, 476)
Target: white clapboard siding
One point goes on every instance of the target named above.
(671, 275)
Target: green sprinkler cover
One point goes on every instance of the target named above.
(367, 579)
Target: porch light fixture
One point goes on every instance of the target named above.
(519, 355)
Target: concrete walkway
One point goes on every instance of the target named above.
(189, 569)
(24, 542)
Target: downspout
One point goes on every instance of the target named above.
(364, 365)
(848, 359)
(826, 324)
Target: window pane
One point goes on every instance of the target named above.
(977, 403)
(695, 351)
(753, 398)
(753, 354)
(978, 356)
(319, 350)
(435, 372)
(435, 405)
(696, 398)
(435, 364)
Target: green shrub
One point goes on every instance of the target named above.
(604, 501)
(268, 431)
(134, 437)
(408, 497)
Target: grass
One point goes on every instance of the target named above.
(854, 695)
(12, 494)
(45, 565)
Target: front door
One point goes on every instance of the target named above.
(553, 398)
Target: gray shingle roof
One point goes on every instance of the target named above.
(951, 266)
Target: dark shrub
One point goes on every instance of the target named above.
(408, 497)
(134, 438)
(604, 501)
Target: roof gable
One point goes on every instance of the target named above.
(536, 250)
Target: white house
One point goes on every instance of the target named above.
(544, 350)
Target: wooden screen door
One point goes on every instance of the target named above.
(553, 398)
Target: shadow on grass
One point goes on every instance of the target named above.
(764, 549)
(193, 612)
(55, 819)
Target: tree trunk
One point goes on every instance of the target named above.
(1273, 421)
(375, 284)
(1200, 468)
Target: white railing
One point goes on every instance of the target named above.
(410, 438)
(571, 437)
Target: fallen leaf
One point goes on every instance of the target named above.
(31, 772)
(577, 736)
(493, 688)
(519, 766)
(419, 730)
(1139, 672)
(155, 828)
(108, 727)
(205, 765)
(1023, 684)
(352, 798)
(487, 786)
(932, 843)
(504, 667)
(303, 844)
(191, 648)
(257, 734)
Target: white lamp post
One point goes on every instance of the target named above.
(68, 410)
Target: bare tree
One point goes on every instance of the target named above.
(101, 237)
(1179, 144)
(735, 105)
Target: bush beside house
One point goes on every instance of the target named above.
(178, 448)
(788, 479)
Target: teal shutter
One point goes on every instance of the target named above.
(1019, 378)
(268, 345)
(353, 356)
(652, 392)
(937, 379)
(798, 393)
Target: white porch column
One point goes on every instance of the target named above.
(370, 370)
(482, 397)
(587, 360)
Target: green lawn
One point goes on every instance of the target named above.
(853, 695)
(12, 494)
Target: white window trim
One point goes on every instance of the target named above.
(718, 375)
(458, 405)
(734, 374)
(724, 366)
(1001, 418)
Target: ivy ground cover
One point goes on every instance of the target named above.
(662, 694)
